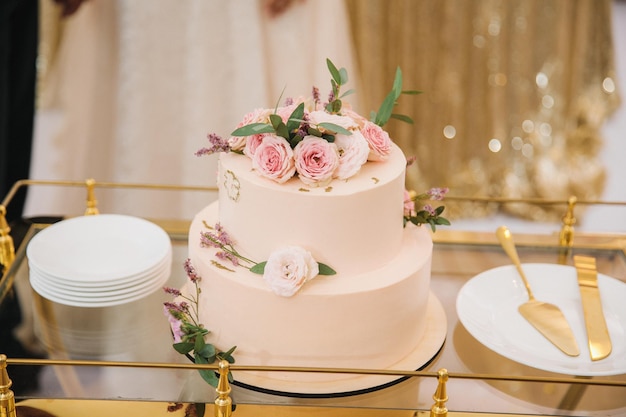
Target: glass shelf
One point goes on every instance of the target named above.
(481, 381)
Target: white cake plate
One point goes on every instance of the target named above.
(355, 384)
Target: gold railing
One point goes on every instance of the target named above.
(7, 248)
(223, 402)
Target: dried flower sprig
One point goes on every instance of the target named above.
(426, 213)
(189, 333)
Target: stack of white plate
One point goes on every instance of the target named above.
(93, 275)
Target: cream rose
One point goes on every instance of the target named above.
(288, 268)
(316, 161)
(353, 153)
(320, 116)
(273, 159)
(378, 141)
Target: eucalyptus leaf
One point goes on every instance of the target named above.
(253, 129)
(397, 83)
(334, 72)
(183, 347)
(200, 409)
(295, 118)
(343, 73)
(259, 268)
(385, 110)
(207, 351)
(347, 93)
(325, 269)
(334, 128)
(276, 121)
(402, 117)
(282, 131)
(199, 345)
(314, 132)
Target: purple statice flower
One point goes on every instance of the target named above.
(316, 96)
(175, 324)
(227, 256)
(209, 240)
(218, 144)
(222, 236)
(173, 291)
(191, 271)
(288, 101)
(331, 96)
(173, 308)
(429, 209)
(437, 193)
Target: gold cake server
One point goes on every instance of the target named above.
(547, 318)
(597, 333)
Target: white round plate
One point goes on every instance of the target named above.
(99, 248)
(487, 307)
(104, 300)
(112, 285)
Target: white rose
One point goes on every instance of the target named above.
(320, 116)
(353, 153)
(288, 268)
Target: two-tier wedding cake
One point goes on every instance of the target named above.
(307, 258)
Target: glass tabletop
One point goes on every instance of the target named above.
(481, 380)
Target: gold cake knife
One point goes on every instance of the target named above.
(595, 323)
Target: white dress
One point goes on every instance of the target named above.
(136, 85)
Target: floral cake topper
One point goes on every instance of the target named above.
(313, 140)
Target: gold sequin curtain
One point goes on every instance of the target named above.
(515, 92)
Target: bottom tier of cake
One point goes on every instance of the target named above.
(386, 318)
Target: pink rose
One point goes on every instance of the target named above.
(238, 143)
(316, 161)
(252, 143)
(409, 204)
(353, 151)
(273, 159)
(288, 268)
(378, 141)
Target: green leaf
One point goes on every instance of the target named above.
(207, 351)
(385, 110)
(295, 140)
(347, 93)
(258, 268)
(295, 118)
(253, 129)
(397, 83)
(343, 73)
(183, 347)
(402, 117)
(412, 92)
(325, 269)
(443, 221)
(200, 409)
(439, 210)
(314, 132)
(334, 72)
(199, 345)
(276, 120)
(334, 128)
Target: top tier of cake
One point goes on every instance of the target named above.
(353, 225)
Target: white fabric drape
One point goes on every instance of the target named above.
(136, 85)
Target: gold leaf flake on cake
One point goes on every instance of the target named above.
(375, 180)
(231, 185)
(328, 189)
(220, 266)
(304, 190)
